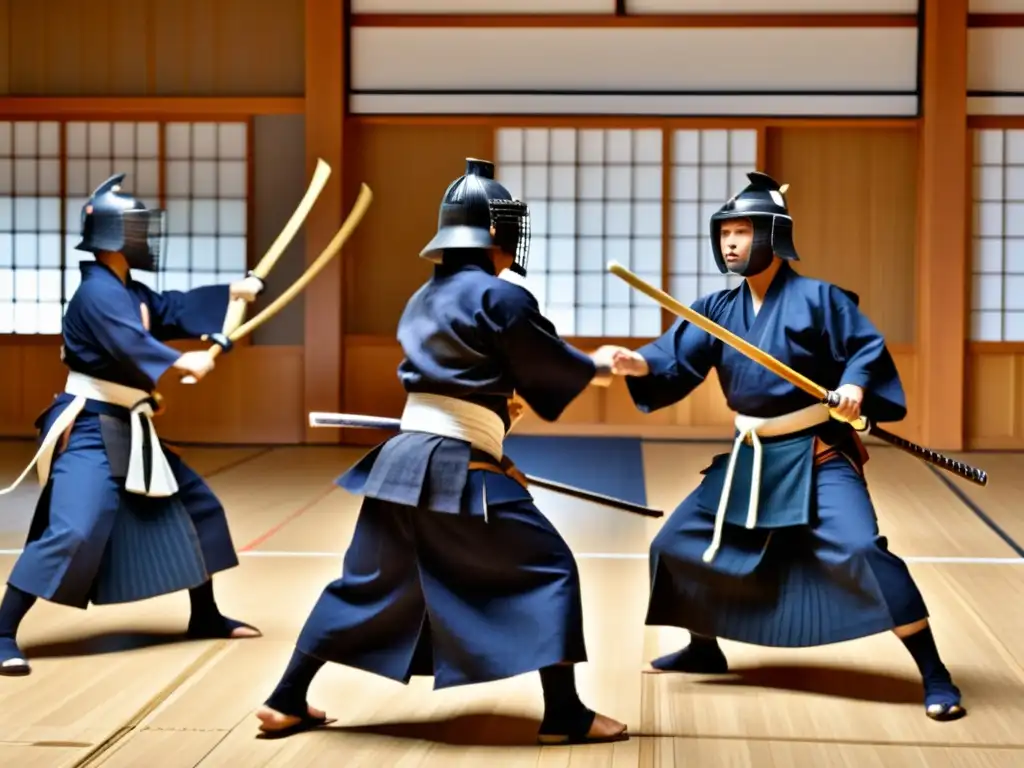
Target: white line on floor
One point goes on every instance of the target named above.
(968, 560)
(643, 556)
(625, 556)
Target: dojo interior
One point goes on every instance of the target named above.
(899, 127)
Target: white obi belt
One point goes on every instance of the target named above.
(159, 482)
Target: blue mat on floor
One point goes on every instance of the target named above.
(613, 466)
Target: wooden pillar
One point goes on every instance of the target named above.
(943, 257)
(325, 119)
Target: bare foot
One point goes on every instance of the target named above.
(602, 729)
(273, 722)
(245, 631)
(605, 728)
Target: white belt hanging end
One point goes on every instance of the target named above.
(161, 478)
(723, 501)
(755, 481)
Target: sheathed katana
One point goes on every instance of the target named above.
(829, 398)
(358, 421)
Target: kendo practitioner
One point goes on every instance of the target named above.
(452, 571)
(121, 517)
(779, 545)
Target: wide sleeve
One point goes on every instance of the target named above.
(547, 372)
(679, 361)
(186, 314)
(867, 363)
(114, 322)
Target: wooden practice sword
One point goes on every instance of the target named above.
(236, 309)
(357, 421)
(831, 399)
(224, 342)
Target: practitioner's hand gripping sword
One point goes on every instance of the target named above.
(358, 421)
(831, 399)
(225, 342)
(236, 309)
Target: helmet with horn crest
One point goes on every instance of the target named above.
(478, 212)
(761, 202)
(115, 222)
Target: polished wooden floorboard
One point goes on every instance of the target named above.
(117, 686)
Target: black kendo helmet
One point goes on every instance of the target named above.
(763, 203)
(472, 205)
(115, 222)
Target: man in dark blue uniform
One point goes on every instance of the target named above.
(452, 571)
(122, 518)
(779, 545)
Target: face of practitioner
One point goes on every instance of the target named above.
(736, 237)
(502, 259)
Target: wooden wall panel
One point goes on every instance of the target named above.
(35, 375)
(408, 167)
(5, 43)
(372, 387)
(152, 48)
(853, 194)
(906, 359)
(996, 6)
(994, 412)
(253, 396)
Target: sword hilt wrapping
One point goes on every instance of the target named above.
(263, 283)
(221, 340)
(221, 343)
(959, 468)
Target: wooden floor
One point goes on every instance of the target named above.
(117, 687)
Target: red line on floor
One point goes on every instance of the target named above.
(292, 517)
(239, 462)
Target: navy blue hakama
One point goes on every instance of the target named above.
(828, 581)
(813, 569)
(452, 572)
(92, 541)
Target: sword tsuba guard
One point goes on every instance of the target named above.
(263, 283)
(860, 424)
(156, 401)
(221, 340)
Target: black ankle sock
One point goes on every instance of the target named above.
(926, 655)
(564, 713)
(13, 609)
(289, 698)
(703, 643)
(701, 656)
(207, 621)
(559, 684)
(204, 605)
